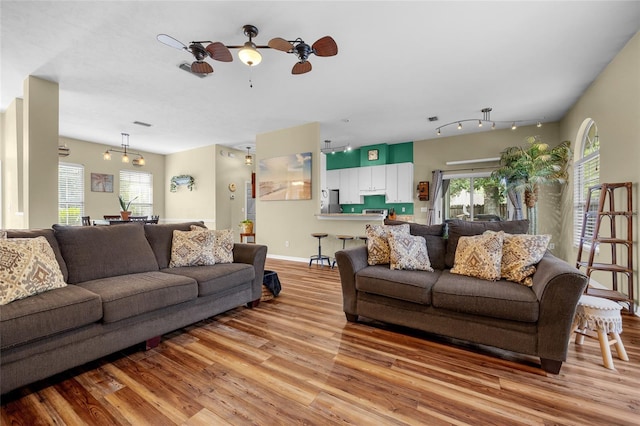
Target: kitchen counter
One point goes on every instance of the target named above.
(350, 216)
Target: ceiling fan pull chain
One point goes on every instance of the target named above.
(250, 77)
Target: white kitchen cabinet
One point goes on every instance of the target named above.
(333, 179)
(349, 193)
(372, 178)
(399, 183)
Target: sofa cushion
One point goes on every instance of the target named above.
(412, 286)
(48, 313)
(479, 256)
(459, 228)
(377, 241)
(192, 248)
(519, 255)
(436, 244)
(223, 244)
(499, 299)
(28, 266)
(94, 252)
(217, 278)
(160, 237)
(135, 294)
(409, 252)
(433, 234)
(53, 242)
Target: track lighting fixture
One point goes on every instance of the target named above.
(328, 149)
(486, 118)
(138, 161)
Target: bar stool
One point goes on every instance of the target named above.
(319, 257)
(344, 239)
(602, 316)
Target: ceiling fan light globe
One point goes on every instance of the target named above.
(249, 55)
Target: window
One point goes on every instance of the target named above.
(137, 187)
(70, 193)
(586, 174)
(474, 196)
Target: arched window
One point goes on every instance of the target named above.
(586, 174)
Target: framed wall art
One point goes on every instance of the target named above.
(101, 182)
(285, 178)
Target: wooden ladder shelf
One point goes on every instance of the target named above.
(615, 241)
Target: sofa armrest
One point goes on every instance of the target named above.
(350, 261)
(256, 255)
(558, 287)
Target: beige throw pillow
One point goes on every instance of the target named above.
(377, 241)
(192, 248)
(28, 266)
(409, 252)
(223, 245)
(520, 252)
(479, 256)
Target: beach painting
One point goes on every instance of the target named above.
(285, 178)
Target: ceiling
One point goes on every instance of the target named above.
(398, 64)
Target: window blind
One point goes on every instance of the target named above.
(586, 174)
(137, 186)
(70, 193)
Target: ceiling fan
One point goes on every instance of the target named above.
(248, 52)
(214, 50)
(326, 46)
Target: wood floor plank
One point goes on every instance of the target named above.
(296, 360)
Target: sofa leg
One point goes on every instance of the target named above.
(351, 317)
(152, 343)
(550, 365)
(253, 304)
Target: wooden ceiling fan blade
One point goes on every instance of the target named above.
(326, 46)
(301, 67)
(219, 52)
(170, 41)
(279, 43)
(201, 67)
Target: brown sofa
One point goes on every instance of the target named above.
(120, 292)
(530, 320)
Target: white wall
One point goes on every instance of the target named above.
(613, 101)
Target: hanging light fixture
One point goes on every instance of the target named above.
(248, 159)
(328, 149)
(138, 161)
(486, 118)
(249, 54)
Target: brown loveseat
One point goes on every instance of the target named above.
(120, 292)
(530, 320)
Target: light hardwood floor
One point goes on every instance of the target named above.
(295, 360)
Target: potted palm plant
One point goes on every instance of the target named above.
(124, 207)
(527, 168)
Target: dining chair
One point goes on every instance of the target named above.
(86, 220)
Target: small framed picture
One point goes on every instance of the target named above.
(101, 182)
(373, 154)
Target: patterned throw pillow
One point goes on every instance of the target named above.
(378, 244)
(3, 234)
(28, 266)
(191, 248)
(519, 255)
(479, 256)
(223, 245)
(409, 252)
